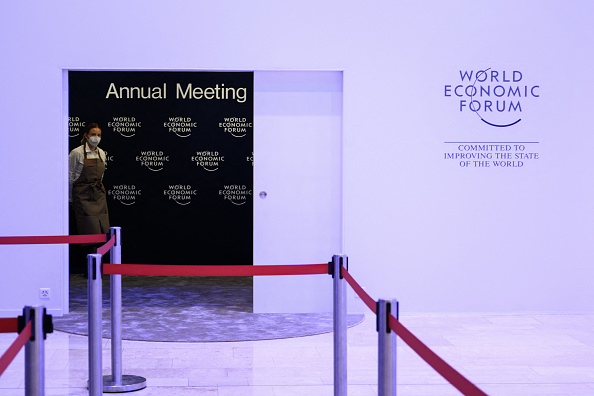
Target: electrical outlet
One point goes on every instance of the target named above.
(44, 293)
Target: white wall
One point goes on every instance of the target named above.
(417, 227)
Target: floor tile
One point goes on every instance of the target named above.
(504, 355)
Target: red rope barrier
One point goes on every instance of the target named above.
(9, 325)
(213, 270)
(105, 248)
(370, 302)
(43, 240)
(16, 346)
(445, 370)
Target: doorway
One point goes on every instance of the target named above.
(297, 185)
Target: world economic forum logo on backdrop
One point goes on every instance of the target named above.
(498, 98)
(75, 126)
(180, 194)
(180, 126)
(125, 126)
(126, 194)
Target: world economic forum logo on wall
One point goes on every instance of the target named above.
(497, 97)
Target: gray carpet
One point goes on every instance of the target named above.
(191, 309)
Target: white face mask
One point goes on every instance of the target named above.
(94, 140)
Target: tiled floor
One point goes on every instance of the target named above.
(504, 355)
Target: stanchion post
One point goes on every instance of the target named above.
(116, 311)
(95, 301)
(340, 325)
(116, 382)
(35, 349)
(386, 383)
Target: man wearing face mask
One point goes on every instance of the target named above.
(87, 194)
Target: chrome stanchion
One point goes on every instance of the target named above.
(95, 301)
(340, 325)
(116, 312)
(35, 349)
(116, 382)
(386, 383)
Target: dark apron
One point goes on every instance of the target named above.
(89, 200)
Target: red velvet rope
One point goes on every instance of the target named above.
(445, 370)
(9, 325)
(213, 270)
(105, 248)
(14, 349)
(370, 302)
(43, 240)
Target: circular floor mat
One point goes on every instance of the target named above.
(191, 309)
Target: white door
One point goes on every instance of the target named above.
(298, 164)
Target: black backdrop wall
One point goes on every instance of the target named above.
(179, 170)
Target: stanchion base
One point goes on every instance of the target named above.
(129, 383)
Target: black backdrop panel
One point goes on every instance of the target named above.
(179, 171)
